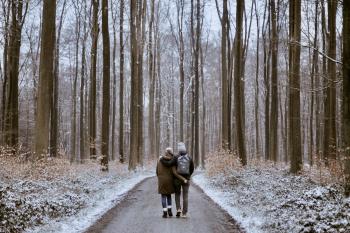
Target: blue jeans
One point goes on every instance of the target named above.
(166, 200)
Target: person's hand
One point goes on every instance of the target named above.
(186, 181)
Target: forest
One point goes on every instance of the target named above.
(104, 86)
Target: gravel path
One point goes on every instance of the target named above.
(141, 211)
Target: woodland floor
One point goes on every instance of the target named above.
(271, 200)
(54, 196)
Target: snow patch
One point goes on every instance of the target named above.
(106, 197)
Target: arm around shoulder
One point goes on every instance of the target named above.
(177, 174)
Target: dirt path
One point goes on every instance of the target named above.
(141, 211)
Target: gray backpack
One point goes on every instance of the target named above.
(183, 164)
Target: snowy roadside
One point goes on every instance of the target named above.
(273, 201)
(62, 198)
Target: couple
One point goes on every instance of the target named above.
(174, 173)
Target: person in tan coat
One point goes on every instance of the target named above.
(166, 182)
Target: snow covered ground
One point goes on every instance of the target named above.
(273, 201)
(53, 201)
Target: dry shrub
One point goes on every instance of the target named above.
(48, 168)
(222, 162)
(322, 174)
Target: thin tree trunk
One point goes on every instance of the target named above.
(5, 70)
(151, 128)
(196, 73)
(314, 75)
(54, 103)
(82, 83)
(11, 108)
(74, 95)
(224, 79)
(93, 73)
(121, 84)
(330, 138)
(257, 131)
(134, 88)
(105, 88)
(273, 154)
(346, 92)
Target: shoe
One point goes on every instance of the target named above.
(178, 213)
(170, 213)
(184, 216)
(165, 214)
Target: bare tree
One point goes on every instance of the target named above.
(14, 46)
(273, 153)
(106, 86)
(93, 73)
(294, 86)
(121, 83)
(330, 139)
(46, 76)
(346, 92)
(239, 84)
(54, 104)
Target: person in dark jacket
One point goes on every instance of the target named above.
(166, 181)
(181, 181)
(182, 185)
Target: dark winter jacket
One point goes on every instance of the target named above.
(165, 176)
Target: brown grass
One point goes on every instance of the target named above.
(222, 162)
(46, 168)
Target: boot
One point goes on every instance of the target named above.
(165, 214)
(178, 213)
(169, 212)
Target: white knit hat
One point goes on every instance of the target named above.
(181, 148)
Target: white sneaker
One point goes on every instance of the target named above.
(183, 215)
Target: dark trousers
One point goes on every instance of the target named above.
(166, 200)
(181, 187)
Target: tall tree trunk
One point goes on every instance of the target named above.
(105, 88)
(6, 11)
(11, 109)
(180, 18)
(82, 83)
(46, 76)
(204, 128)
(121, 84)
(239, 84)
(196, 74)
(294, 86)
(141, 35)
(151, 128)
(134, 88)
(330, 138)
(256, 112)
(346, 92)
(54, 103)
(74, 95)
(274, 85)
(158, 102)
(224, 80)
(93, 73)
(314, 77)
(114, 85)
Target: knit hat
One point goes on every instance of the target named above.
(169, 150)
(181, 148)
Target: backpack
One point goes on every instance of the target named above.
(183, 164)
